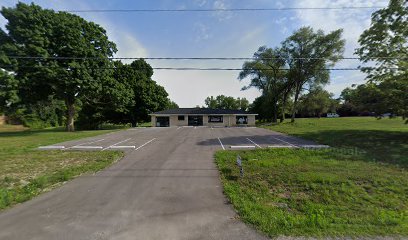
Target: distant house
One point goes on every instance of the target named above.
(202, 117)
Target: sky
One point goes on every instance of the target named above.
(216, 34)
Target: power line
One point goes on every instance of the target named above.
(190, 58)
(189, 68)
(226, 9)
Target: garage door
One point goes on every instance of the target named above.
(195, 120)
(162, 121)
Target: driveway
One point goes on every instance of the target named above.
(166, 187)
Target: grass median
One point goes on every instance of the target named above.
(329, 192)
(26, 171)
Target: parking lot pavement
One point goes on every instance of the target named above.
(227, 138)
(167, 187)
(121, 140)
(251, 138)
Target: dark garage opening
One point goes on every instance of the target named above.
(195, 120)
(162, 121)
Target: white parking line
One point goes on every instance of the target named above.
(285, 142)
(86, 147)
(315, 146)
(222, 145)
(85, 143)
(120, 147)
(145, 144)
(254, 143)
(51, 147)
(179, 128)
(116, 144)
(243, 146)
(280, 146)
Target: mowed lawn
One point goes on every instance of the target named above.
(26, 171)
(384, 140)
(325, 193)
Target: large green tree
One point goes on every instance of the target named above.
(60, 40)
(317, 102)
(266, 73)
(369, 98)
(308, 55)
(227, 102)
(384, 48)
(146, 95)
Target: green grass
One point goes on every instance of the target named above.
(145, 124)
(296, 192)
(357, 188)
(26, 171)
(384, 140)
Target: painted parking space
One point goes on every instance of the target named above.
(251, 138)
(227, 138)
(126, 140)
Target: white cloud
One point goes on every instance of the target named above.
(353, 22)
(201, 32)
(279, 4)
(129, 46)
(222, 15)
(200, 3)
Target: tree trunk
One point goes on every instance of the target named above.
(283, 108)
(275, 113)
(295, 103)
(134, 124)
(70, 115)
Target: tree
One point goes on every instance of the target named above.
(316, 103)
(308, 55)
(8, 91)
(267, 75)
(243, 104)
(146, 95)
(172, 105)
(49, 35)
(368, 99)
(224, 102)
(385, 45)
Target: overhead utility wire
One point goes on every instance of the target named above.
(188, 58)
(228, 9)
(190, 68)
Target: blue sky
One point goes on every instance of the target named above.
(216, 34)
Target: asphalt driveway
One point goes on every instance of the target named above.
(166, 187)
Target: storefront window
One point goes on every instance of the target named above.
(242, 120)
(215, 119)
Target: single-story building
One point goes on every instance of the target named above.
(202, 117)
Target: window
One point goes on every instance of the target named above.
(215, 119)
(242, 120)
(181, 117)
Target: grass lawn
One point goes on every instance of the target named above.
(319, 193)
(26, 172)
(384, 140)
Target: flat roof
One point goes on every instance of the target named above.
(201, 111)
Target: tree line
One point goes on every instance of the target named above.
(73, 78)
(291, 76)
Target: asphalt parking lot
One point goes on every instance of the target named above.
(166, 187)
(223, 138)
